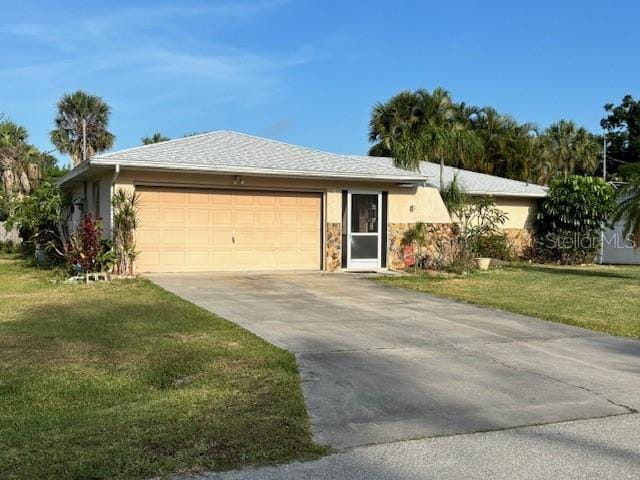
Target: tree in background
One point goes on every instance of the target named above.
(22, 166)
(74, 110)
(629, 210)
(622, 125)
(570, 149)
(572, 216)
(415, 126)
(155, 138)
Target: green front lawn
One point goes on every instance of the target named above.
(124, 380)
(602, 298)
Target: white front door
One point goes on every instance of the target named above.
(363, 244)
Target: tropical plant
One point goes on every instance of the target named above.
(453, 195)
(629, 210)
(43, 217)
(21, 165)
(416, 126)
(572, 216)
(478, 220)
(622, 124)
(82, 120)
(494, 245)
(155, 138)
(423, 125)
(106, 259)
(125, 221)
(573, 149)
(85, 245)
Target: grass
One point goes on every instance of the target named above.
(601, 298)
(125, 380)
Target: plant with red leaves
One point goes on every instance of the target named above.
(85, 244)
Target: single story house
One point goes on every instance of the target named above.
(230, 201)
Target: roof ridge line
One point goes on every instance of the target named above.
(171, 140)
(257, 137)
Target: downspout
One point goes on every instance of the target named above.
(116, 172)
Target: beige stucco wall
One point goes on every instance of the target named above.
(521, 211)
(423, 204)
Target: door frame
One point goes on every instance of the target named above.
(364, 264)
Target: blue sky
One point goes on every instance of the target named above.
(308, 71)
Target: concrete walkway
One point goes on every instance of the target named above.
(607, 448)
(380, 364)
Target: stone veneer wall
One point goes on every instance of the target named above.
(435, 251)
(334, 248)
(520, 240)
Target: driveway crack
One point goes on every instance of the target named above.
(549, 377)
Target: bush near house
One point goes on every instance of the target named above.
(571, 219)
(476, 234)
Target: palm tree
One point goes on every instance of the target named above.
(82, 119)
(416, 126)
(571, 149)
(21, 164)
(629, 210)
(155, 138)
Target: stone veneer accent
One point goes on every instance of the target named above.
(333, 247)
(520, 240)
(436, 250)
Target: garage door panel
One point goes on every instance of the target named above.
(171, 257)
(149, 258)
(174, 215)
(289, 218)
(221, 237)
(266, 217)
(148, 236)
(187, 230)
(266, 200)
(219, 258)
(245, 199)
(221, 217)
(198, 238)
(198, 216)
(173, 237)
(221, 199)
(149, 215)
(244, 217)
(197, 257)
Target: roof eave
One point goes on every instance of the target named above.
(237, 170)
(75, 172)
(508, 194)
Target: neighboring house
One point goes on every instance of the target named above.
(230, 201)
(618, 248)
(519, 200)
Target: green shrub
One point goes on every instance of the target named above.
(494, 245)
(572, 217)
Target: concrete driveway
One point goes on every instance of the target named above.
(380, 364)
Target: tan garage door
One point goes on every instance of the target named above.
(185, 230)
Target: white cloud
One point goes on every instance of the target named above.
(133, 43)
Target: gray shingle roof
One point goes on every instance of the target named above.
(476, 183)
(233, 152)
